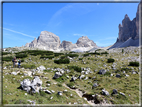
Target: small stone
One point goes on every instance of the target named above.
(104, 92)
(122, 93)
(52, 91)
(51, 98)
(118, 75)
(60, 93)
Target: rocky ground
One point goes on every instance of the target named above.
(98, 82)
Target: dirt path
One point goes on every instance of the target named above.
(79, 93)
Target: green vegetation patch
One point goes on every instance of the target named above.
(28, 66)
(62, 61)
(134, 64)
(76, 68)
(5, 53)
(21, 55)
(8, 58)
(50, 57)
(110, 60)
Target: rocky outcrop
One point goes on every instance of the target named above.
(33, 86)
(66, 45)
(50, 41)
(84, 41)
(127, 29)
(128, 32)
(46, 40)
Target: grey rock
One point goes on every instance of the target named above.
(47, 91)
(104, 92)
(114, 91)
(52, 91)
(84, 41)
(25, 84)
(66, 45)
(46, 40)
(86, 78)
(57, 75)
(102, 71)
(14, 73)
(41, 68)
(81, 76)
(95, 85)
(122, 93)
(4, 68)
(73, 78)
(34, 86)
(118, 75)
(126, 75)
(94, 77)
(128, 32)
(60, 93)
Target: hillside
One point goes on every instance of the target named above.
(46, 77)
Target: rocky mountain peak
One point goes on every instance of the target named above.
(46, 40)
(128, 32)
(84, 41)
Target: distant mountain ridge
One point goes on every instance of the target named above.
(49, 41)
(128, 32)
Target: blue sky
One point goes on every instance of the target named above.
(22, 22)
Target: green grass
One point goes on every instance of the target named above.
(127, 85)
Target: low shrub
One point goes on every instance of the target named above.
(49, 82)
(80, 58)
(28, 66)
(42, 93)
(8, 58)
(72, 55)
(60, 85)
(49, 57)
(61, 79)
(62, 61)
(87, 54)
(57, 54)
(46, 70)
(22, 60)
(62, 57)
(21, 55)
(21, 102)
(39, 52)
(104, 52)
(40, 101)
(76, 68)
(5, 53)
(5, 101)
(71, 85)
(134, 64)
(110, 60)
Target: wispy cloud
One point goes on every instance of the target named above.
(71, 9)
(19, 32)
(78, 35)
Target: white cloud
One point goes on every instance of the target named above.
(71, 9)
(78, 35)
(18, 32)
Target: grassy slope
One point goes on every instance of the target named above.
(129, 85)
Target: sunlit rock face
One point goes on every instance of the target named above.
(66, 45)
(46, 40)
(84, 41)
(128, 32)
